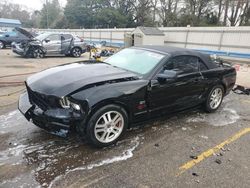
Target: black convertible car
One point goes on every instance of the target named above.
(100, 100)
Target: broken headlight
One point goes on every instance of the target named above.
(76, 106)
(66, 103)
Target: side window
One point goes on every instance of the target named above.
(202, 66)
(54, 37)
(11, 34)
(183, 64)
(67, 37)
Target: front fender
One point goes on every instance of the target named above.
(92, 97)
(126, 94)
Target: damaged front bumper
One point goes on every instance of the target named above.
(56, 121)
(17, 49)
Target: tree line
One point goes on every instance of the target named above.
(131, 13)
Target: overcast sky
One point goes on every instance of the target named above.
(35, 4)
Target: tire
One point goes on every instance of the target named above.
(2, 45)
(214, 98)
(76, 52)
(88, 48)
(106, 126)
(37, 53)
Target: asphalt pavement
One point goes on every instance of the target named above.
(148, 156)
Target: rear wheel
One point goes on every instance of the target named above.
(214, 98)
(106, 125)
(2, 45)
(76, 52)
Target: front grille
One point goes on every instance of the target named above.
(44, 102)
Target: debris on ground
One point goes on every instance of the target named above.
(197, 181)
(154, 128)
(193, 157)
(195, 174)
(218, 161)
(202, 136)
(107, 52)
(184, 128)
(157, 145)
(223, 149)
(219, 154)
(241, 90)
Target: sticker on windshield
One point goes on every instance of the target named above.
(154, 55)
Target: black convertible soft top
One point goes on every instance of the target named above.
(174, 51)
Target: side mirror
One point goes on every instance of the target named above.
(167, 75)
(7, 35)
(47, 40)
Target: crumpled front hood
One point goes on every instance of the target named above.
(66, 79)
(24, 32)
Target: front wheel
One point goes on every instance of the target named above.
(106, 125)
(38, 53)
(214, 98)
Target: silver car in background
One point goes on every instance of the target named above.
(50, 44)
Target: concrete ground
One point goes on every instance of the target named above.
(190, 149)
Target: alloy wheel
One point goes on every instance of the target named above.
(38, 53)
(216, 98)
(109, 127)
(76, 52)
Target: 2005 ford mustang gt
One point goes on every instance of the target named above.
(100, 100)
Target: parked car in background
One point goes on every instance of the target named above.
(7, 38)
(50, 44)
(100, 100)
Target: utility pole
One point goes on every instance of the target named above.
(47, 14)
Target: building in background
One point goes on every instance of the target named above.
(144, 36)
(9, 24)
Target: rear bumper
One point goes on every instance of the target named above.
(56, 121)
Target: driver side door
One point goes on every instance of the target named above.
(67, 41)
(180, 93)
(52, 44)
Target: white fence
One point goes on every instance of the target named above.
(226, 41)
